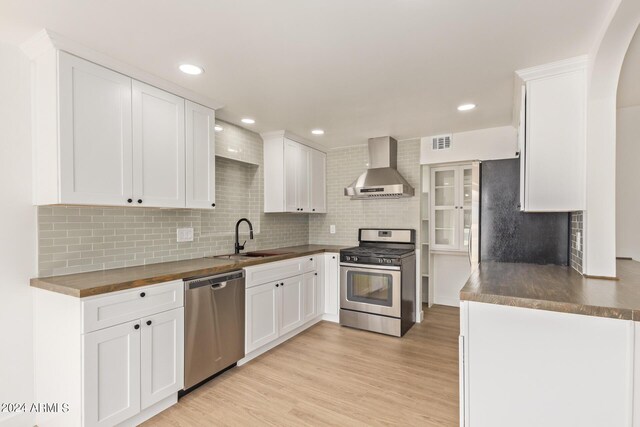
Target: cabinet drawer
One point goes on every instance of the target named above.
(310, 263)
(107, 310)
(274, 271)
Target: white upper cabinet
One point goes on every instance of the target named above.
(200, 152)
(553, 137)
(158, 147)
(95, 133)
(294, 175)
(451, 208)
(318, 184)
(103, 138)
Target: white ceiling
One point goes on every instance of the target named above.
(355, 68)
(629, 84)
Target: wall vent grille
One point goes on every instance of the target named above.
(441, 142)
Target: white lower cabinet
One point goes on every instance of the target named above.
(161, 356)
(310, 297)
(277, 309)
(291, 296)
(526, 367)
(261, 315)
(332, 287)
(111, 374)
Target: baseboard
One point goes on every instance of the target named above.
(150, 412)
(17, 419)
(447, 301)
(335, 318)
(277, 342)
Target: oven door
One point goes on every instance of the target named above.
(370, 289)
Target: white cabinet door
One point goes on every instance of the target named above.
(158, 147)
(445, 215)
(291, 158)
(291, 304)
(200, 153)
(111, 374)
(317, 186)
(95, 134)
(310, 296)
(555, 143)
(332, 285)
(262, 308)
(465, 198)
(303, 179)
(162, 356)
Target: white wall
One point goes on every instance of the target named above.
(18, 242)
(606, 61)
(628, 183)
(482, 144)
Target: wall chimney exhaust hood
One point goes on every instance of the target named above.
(381, 180)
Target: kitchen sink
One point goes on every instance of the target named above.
(248, 255)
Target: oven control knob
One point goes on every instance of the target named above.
(348, 258)
(388, 261)
(354, 258)
(380, 260)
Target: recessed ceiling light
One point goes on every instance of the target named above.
(248, 121)
(194, 70)
(466, 107)
(317, 132)
(218, 128)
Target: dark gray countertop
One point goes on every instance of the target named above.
(557, 288)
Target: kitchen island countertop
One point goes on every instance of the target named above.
(100, 282)
(557, 288)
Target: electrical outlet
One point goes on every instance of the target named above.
(184, 234)
(332, 229)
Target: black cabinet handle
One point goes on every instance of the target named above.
(213, 205)
(277, 284)
(333, 257)
(315, 274)
(142, 294)
(129, 200)
(136, 326)
(148, 322)
(139, 200)
(313, 210)
(310, 259)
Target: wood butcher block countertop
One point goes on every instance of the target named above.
(101, 282)
(556, 288)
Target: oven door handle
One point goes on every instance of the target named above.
(370, 266)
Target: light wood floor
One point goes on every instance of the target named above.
(331, 375)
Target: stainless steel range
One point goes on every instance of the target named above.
(378, 281)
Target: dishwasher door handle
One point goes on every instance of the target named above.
(218, 286)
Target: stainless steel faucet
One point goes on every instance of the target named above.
(238, 246)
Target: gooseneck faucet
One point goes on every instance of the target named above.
(239, 246)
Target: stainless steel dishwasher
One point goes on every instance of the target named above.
(214, 325)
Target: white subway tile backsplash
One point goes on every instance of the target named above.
(78, 239)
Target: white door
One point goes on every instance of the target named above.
(158, 147)
(310, 294)
(200, 152)
(290, 304)
(318, 186)
(291, 158)
(332, 285)
(111, 374)
(302, 178)
(161, 356)
(262, 307)
(95, 134)
(445, 212)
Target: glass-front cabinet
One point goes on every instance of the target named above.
(451, 207)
